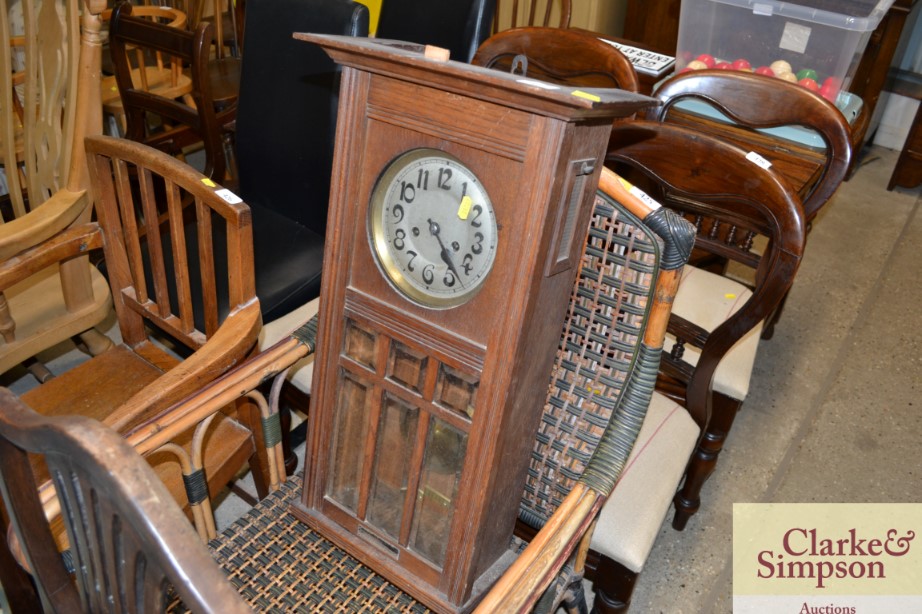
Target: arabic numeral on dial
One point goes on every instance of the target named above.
(466, 264)
(399, 235)
(422, 180)
(445, 178)
(398, 213)
(449, 279)
(477, 247)
(477, 211)
(428, 274)
(407, 192)
(412, 256)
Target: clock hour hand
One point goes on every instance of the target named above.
(434, 230)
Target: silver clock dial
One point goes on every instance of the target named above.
(432, 228)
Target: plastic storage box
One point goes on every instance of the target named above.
(822, 40)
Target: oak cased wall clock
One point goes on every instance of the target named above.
(459, 204)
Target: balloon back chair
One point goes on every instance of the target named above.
(716, 322)
(754, 103)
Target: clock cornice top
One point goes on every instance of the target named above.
(406, 61)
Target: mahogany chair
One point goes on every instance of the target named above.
(457, 25)
(44, 115)
(168, 118)
(516, 13)
(559, 56)
(716, 321)
(597, 398)
(756, 102)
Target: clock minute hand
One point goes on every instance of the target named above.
(435, 231)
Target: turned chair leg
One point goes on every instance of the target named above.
(701, 466)
(293, 399)
(95, 342)
(613, 585)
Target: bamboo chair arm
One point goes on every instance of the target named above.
(528, 577)
(225, 389)
(70, 243)
(235, 338)
(42, 223)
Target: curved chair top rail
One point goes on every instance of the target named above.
(559, 56)
(756, 101)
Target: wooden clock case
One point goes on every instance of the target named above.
(475, 375)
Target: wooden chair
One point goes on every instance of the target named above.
(459, 25)
(547, 13)
(559, 56)
(44, 115)
(224, 65)
(168, 118)
(155, 216)
(716, 321)
(163, 76)
(609, 347)
(756, 102)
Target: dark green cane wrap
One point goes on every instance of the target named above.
(611, 454)
(196, 486)
(307, 333)
(677, 233)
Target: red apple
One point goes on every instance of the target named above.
(765, 70)
(741, 64)
(723, 65)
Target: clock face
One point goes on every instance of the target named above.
(432, 228)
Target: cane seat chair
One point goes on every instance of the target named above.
(609, 350)
(749, 103)
(716, 321)
(49, 78)
(559, 56)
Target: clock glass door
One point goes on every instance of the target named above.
(401, 427)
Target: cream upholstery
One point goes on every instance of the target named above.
(708, 299)
(301, 374)
(633, 515)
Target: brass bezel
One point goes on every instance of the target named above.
(378, 241)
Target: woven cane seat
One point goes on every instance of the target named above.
(278, 564)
